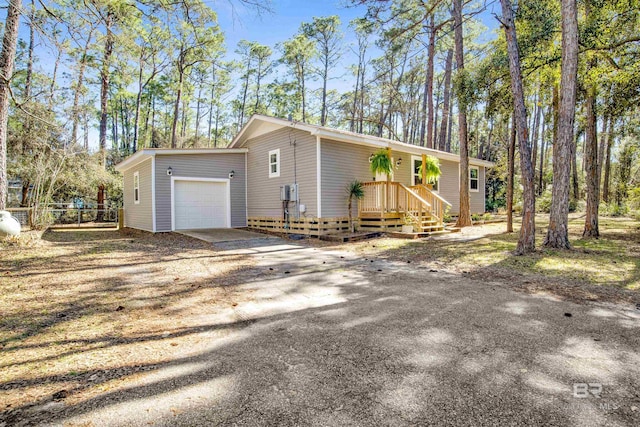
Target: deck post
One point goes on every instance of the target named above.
(424, 169)
(388, 175)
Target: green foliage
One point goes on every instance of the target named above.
(543, 202)
(432, 167)
(446, 216)
(380, 162)
(475, 217)
(614, 209)
(355, 190)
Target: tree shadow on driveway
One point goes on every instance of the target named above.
(328, 338)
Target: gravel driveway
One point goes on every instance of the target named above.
(328, 338)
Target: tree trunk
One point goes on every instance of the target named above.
(211, 103)
(54, 77)
(136, 120)
(464, 216)
(574, 170)
(444, 124)
(607, 162)
(303, 91)
(215, 137)
(526, 239)
(510, 174)
(447, 146)
(436, 109)
(591, 226)
(78, 90)
(176, 107)
(104, 86)
(427, 103)
(361, 118)
(7, 60)
(558, 232)
(24, 200)
(536, 132)
(354, 106)
(198, 107)
(100, 213)
(244, 94)
(542, 154)
(325, 77)
(602, 147)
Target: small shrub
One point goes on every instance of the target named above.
(543, 202)
(475, 217)
(613, 209)
(446, 217)
(487, 216)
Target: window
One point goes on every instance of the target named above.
(136, 187)
(474, 179)
(274, 163)
(416, 179)
(415, 167)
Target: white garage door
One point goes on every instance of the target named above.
(200, 204)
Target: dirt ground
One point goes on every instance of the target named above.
(84, 314)
(110, 304)
(605, 269)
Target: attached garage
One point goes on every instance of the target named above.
(185, 189)
(200, 203)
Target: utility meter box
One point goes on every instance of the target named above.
(285, 193)
(293, 192)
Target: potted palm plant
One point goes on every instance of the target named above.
(355, 190)
(431, 171)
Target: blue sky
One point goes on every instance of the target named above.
(282, 24)
(239, 22)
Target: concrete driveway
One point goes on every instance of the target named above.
(216, 235)
(328, 338)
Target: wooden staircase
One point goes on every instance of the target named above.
(390, 205)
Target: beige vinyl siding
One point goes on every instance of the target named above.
(403, 173)
(449, 187)
(476, 198)
(263, 192)
(200, 166)
(138, 215)
(341, 163)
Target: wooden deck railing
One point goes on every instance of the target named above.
(381, 198)
(438, 204)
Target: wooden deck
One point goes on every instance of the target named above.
(390, 205)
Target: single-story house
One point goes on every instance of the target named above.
(281, 175)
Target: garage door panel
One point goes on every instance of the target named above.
(200, 204)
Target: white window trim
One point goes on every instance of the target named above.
(277, 172)
(477, 190)
(136, 180)
(413, 161)
(413, 175)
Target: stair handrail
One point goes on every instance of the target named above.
(436, 195)
(415, 195)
